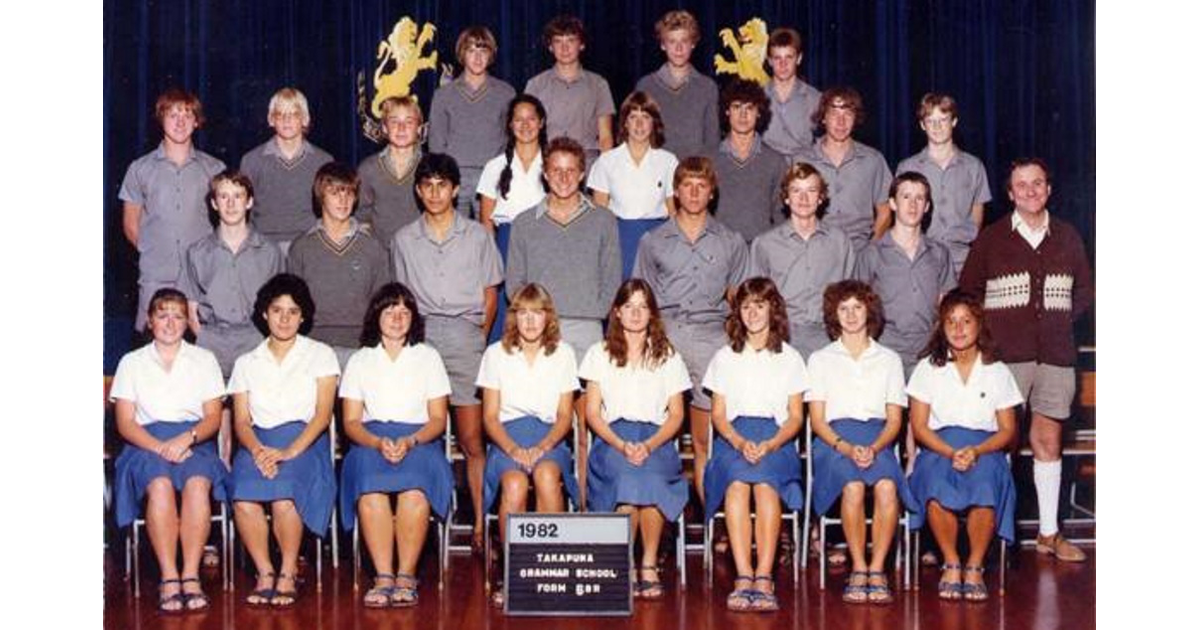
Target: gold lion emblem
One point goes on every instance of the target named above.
(400, 60)
(749, 50)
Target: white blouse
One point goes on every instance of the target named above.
(399, 390)
(636, 191)
(528, 390)
(757, 383)
(634, 393)
(281, 392)
(857, 389)
(161, 395)
(524, 192)
(970, 405)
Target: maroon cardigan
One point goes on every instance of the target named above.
(1032, 297)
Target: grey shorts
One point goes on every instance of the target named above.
(468, 182)
(1048, 389)
(461, 344)
(696, 345)
(228, 343)
(580, 334)
(808, 338)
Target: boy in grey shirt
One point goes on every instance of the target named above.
(467, 115)
(749, 170)
(341, 260)
(283, 169)
(388, 202)
(687, 99)
(163, 194)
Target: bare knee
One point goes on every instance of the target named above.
(885, 494)
(854, 493)
(737, 495)
(412, 502)
(160, 494)
(514, 487)
(546, 476)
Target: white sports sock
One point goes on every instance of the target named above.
(1047, 478)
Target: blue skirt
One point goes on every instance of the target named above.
(503, 232)
(424, 468)
(630, 231)
(136, 467)
(613, 481)
(307, 480)
(832, 470)
(780, 469)
(526, 432)
(988, 484)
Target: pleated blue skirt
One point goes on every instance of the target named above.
(780, 469)
(424, 468)
(613, 481)
(526, 432)
(503, 232)
(832, 470)
(136, 467)
(988, 484)
(307, 480)
(630, 231)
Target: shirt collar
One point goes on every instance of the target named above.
(458, 225)
(871, 350)
(160, 153)
(272, 149)
(726, 147)
(669, 80)
(1019, 225)
(543, 208)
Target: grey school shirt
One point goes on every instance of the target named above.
(447, 277)
(962, 184)
(469, 125)
(174, 212)
(579, 263)
(909, 289)
(801, 268)
(748, 190)
(283, 207)
(791, 126)
(690, 279)
(573, 107)
(225, 283)
(342, 277)
(690, 110)
(385, 201)
(855, 188)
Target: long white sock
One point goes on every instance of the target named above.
(1047, 477)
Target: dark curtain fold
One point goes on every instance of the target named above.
(1023, 72)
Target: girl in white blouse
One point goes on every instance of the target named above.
(635, 391)
(283, 394)
(962, 407)
(756, 382)
(529, 382)
(511, 183)
(394, 405)
(855, 407)
(168, 406)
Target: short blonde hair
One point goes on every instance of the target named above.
(532, 295)
(395, 102)
(288, 98)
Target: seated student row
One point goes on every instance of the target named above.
(284, 392)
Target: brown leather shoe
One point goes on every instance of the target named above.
(1060, 548)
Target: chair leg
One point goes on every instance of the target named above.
(681, 553)
(317, 544)
(708, 552)
(821, 552)
(487, 554)
(333, 537)
(1003, 564)
(137, 564)
(354, 551)
(796, 549)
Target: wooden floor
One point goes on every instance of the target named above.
(1042, 594)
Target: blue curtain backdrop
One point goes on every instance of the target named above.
(1023, 73)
